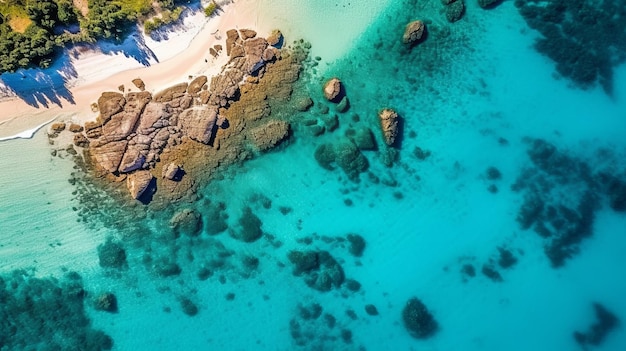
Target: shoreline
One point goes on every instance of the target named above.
(20, 119)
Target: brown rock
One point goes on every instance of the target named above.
(212, 52)
(269, 135)
(110, 103)
(171, 93)
(57, 127)
(232, 37)
(270, 54)
(109, 155)
(413, 32)
(139, 84)
(199, 123)
(133, 159)
(138, 182)
(75, 128)
(171, 171)
(275, 38)
(93, 129)
(154, 116)
(195, 86)
(217, 47)
(247, 34)
(254, 49)
(332, 89)
(81, 140)
(389, 125)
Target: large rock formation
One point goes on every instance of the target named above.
(413, 32)
(133, 130)
(332, 89)
(389, 125)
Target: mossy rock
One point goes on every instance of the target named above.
(111, 255)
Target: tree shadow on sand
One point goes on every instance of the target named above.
(134, 46)
(164, 32)
(41, 87)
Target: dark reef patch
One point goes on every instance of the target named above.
(561, 196)
(46, 313)
(418, 321)
(583, 38)
(595, 335)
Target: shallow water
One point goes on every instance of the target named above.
(475, 95)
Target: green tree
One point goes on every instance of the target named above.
(66, 12)
(43, 12)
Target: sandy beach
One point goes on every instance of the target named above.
(88, 73)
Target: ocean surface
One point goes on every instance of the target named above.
(502, 209)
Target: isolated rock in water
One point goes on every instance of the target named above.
(343, 105)
(455, 11)
(418, 321)
(172, 171)
(269, 135)
(199, 124)
(413, 32)
(106, 302)
(275, 38)
(332, 89)
(171, 93)
(389, 125)
(138, 182)
(139, 84)
(111, 255)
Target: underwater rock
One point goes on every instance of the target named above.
(216, 218)
(105, 302)
(80, 140)
(371, 310)
(418, 321)
(249, 227)
(270, 134)
(188, 307)
(318, 268)
(413, 32)
(111, 255)
(138, 182)
(325, 156)
(488, 3)
(389, 125)
(364, 139)
(350, 159)
(597, 332)
(357, 244)
(455, 11)
(343, 105)
(332, 89)
(186, 221)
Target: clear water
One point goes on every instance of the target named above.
(472, 98)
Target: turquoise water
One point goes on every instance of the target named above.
(475, 95)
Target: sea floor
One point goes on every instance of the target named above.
(489, 131)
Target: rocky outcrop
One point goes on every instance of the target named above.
(269, 135)
(413, 32)
(389, 125)
(196, 85)
(275, 38)
(138, 183)
(139, 84)
(134, 130)
(332, 90)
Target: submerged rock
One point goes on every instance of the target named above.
(418, 321)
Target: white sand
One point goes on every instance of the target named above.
(172, 61)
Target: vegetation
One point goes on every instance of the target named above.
(32, 31)
(209, 10)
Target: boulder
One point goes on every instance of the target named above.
(199, 123)
(413, 32)
(232, 37)
(155, 115)
(106, 302)
(486, 4)
(172, 171)
(171, 93)
(110, 103)
(343, 105)
(247, 34)
(139, 84)
(57, 127)
(455, 11)
(75, 128)
(93, 129)
(269, 135)
(275, 38)
(138, 182)
(389, 125)
(109, 155)
(195, 86)
(332, 89)
(254, 49)
(304, 104)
